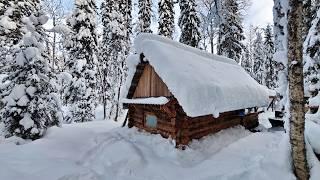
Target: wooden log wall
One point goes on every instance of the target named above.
(173, 122)
(165, 120)
(198, 127)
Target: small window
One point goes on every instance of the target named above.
(151, 121)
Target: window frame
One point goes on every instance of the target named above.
(145, 120)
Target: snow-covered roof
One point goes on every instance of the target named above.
(150, 100)
(202, 83)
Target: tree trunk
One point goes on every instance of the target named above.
(54, 43)
(296, 93)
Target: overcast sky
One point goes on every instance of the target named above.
(259, 14)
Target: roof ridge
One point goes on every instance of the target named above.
(153, 37)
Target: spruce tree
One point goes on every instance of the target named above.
(280, 44)
(312, 58)
(82, 65)
(258, 59)
(144, 17)
(116, 42)
(189, 23)
(29, 103)
(230, 35)
(246, 62)
(166, 18)
(11, 14)
(270, 73)
(307, 17)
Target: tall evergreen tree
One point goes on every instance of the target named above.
(246, 62)
(189, 23)
(258, 59)
(144, 16)
(247, 57)
(116, 44)
(280, 56)
(81, 92)
(307, 17)
(312, 58)
(230, 35)
(166, 18)
(11, 14)
(270, 73)
(29, 104)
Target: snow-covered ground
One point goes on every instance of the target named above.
(103, 150)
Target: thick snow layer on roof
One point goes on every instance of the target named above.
(151, 100)
(203, 83)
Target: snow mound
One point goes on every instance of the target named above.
(102, 150)
(203, 83)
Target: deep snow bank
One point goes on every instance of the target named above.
(102, 150)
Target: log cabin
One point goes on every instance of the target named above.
(184, 93)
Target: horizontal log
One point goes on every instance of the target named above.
(204, 133)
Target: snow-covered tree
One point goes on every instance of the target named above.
(280, 56)
(230, 35)
(246, 60)
(270, 73)
(11, 14)
(144, 17)
(208, 16)
(115, 44)
(258, 58)
(307, 17)
(55, 10)
(166, 18)
(189, 23)
(29, 103)
(82, 65)
(247, 55)
(312, 58)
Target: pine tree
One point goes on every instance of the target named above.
(258, 58)
(247, 56)
(29, 103)
(270, 73)
(189, 23)
(105, 50)
(230, 35)
(81, 92)
(312, 58)
(144, 16)
(280, 43)
(116, 47)
(296, 92)
(166, 18)
(246, 62)
(11, 13)
(307, 17)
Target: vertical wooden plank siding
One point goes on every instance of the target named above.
(151, 85)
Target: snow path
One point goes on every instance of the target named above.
(238, 160)
(102, 150)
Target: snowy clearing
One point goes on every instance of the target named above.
(103, 150)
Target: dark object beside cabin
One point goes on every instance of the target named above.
(276, 122)
(278, 114)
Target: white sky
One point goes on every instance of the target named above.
(260, 13)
